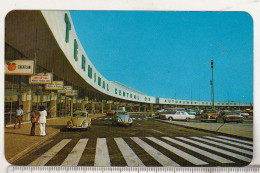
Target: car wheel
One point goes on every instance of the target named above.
(170, 118)
(130, 124)
(187, 119)
(224, 120)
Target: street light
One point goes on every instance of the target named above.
(212, 86)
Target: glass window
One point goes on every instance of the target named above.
(75, 50)
(115, 90)
(83, 62)
(89, 72)
(99, 81)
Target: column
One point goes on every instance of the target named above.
(53, 105)
(27, 104)
(102, 107)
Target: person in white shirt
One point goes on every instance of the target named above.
(42, 121)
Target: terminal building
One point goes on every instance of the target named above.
(45, 64)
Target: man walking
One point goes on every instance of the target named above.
(18, 117)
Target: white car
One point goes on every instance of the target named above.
(178, 115)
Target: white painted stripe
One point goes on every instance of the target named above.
(224, 145)
(237, 156)
(76, 153)
(157, 155)
(102, 156)
(201, 152)
(230, 142)
(139, 118)
(105, 118)
(43, 159)
(130, 157)
(234, 139)
(110, 118)
(178, 152)
(133, 118)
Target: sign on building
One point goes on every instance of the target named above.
(55, 85)
(72, 93)
(41, 78)
(65, 89)
(19, 67)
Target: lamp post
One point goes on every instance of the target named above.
(212, 87)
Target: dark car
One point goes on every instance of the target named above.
(121, 118)
(210, 115)
(233, 116)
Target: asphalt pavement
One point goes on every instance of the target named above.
(147, 143)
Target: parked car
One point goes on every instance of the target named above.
(178, 115)
(233, 116)
(79, 119)
(210, 115)
(110, 112)
(121, 118)
(245, 114)
(168, 111)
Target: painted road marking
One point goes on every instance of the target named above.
(234, 139)
(43, 159)
(237, 156)
(75, 155)
(199, 151)
(224, 145)
(178, 152)
(130, 157)
(230, 142)
(157, 155)
(102, 156)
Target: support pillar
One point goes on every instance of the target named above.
(139, 108)
(53, 105)
(27, 105)
(102, 107)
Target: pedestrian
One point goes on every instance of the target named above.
(42, 120)
(18, 117)
(34, 119)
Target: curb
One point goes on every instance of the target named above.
(26, 122)
(211, 131)
(30, 148)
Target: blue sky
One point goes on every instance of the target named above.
(168, 54)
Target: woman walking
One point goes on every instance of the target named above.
(34, 120)
(42, 121)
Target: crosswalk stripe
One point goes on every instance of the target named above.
(110, 118)
(133, 118)
(105, 118)
(230, 142)
(234, 155)
(234, 139)
(178, 152)
(44, 158)
(102, 156)
(157, 155)
(224, 145)
(139, 118)
(129, 155)
(201, 152)
(75, 155)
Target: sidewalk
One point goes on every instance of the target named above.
(19, 142)
(241, 130)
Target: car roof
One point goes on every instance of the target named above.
(78, 112)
